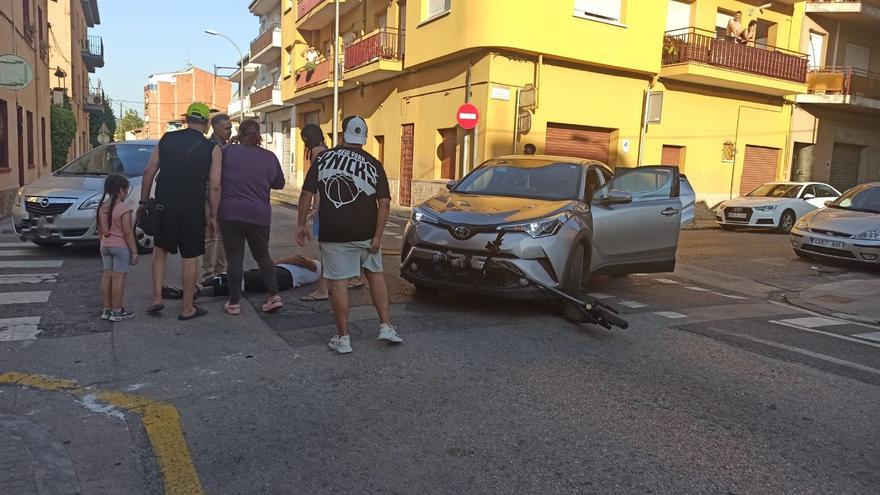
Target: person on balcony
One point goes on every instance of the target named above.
(750, 33)
(311, 55)
(734, 27)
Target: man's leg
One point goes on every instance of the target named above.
(339, 303)
(160, 258)
(379, 294)
(190, 267)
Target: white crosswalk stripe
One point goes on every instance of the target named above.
(28, 278)
(8, 253)
(19, 255)
(37, 296)
(32, 264)
(25, 328)
(19, 244)
(672, 315)
(875, 336)
(632, 304)
(814, 322)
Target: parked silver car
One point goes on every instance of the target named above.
(60, 208)
(564, 218)
(848, 229)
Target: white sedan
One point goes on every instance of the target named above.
(776, 205)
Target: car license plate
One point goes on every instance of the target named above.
(825, 243)
(737, 215)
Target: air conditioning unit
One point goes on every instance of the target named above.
(96, 100)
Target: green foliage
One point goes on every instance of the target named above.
(63, 124)
(104, 117)
(129, 122)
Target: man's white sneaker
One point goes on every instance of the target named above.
(387, 333)
(342, 344)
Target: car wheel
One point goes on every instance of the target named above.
(802, 254)
(729, 228)
(49, 244)
(574, 281)
(425, 290)
(144, 242)
(786, 222)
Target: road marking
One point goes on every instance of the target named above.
(161, 421)
(672, 315)
(37, 296)
(27, 278)
(9, 253)
(16, 245)
(665, 281)
(807, 311)
(730, 296)
(32, 264)
(805, 352)
(599, 295)
(827, 334)
(632, 304)
(875, 336)
(695, 288)
(16, 329)
(815, 322)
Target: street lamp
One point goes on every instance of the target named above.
(240, 72)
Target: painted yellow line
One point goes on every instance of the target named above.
(161, 421)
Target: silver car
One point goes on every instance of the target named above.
(564, 219)
(848, 229)
(60, 208)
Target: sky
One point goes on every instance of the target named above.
(143, 38)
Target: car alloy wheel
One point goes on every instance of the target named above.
(786, 222)
(573, 282)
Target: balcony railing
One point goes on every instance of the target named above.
(303, 7)
(697, 45)
(385, 44)
(264, 94)
(322, 72)
(872, 2)
(264, 40)
(843, 81)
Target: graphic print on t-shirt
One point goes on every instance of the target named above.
(346, 174)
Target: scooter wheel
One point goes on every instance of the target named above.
(609, 317)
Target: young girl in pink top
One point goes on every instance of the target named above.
(118, 249)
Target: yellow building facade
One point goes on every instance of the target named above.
(628, 83)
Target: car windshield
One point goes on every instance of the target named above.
(860, 198)
(525, 178)
(126, 159)
(776, 191)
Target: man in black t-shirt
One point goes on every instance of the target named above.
(353, 208)
(186, 162)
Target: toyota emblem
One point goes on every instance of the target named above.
(44, 202)
(461, 232)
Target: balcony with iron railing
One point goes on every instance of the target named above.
(93, 52)
(702, 57)
(858, 88)
(375, 56)
(266, 47)
(267, 97)
(863, 12)
(317, 14)
(315, 80)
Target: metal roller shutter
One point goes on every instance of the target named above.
(845, 159)
(578, 141)
(285, 150)
(759, 167)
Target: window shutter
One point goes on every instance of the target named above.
(437, 7)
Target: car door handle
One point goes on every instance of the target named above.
(668, 212)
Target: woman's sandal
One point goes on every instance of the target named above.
(311, 298)
(232, 309)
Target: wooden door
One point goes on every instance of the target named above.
(19, 123)
(407, 136)
(673, 155)
(759, 167)
(447, 153)
(578, 141)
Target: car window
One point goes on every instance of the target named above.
(594, 182)
(864, 198)
(824, 191)
(549, 180)
(809, 190)
(642, 183)
(776, 191)
(126, 159)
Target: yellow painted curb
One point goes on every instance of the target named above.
(161, 421)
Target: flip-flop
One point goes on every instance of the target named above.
(155, 309)
(199, 312)
(356, 286)
(232, 309)
(311, 298)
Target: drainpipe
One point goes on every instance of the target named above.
(336, 73)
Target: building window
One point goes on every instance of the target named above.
(817, 49)
(601, 9)
(435, 8)
(43, 140)
(4, 135)
(30, 138)
(288, 62)
(26, 11)
(40, 23)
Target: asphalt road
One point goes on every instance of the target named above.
(714, 388)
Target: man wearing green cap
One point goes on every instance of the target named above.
(188, 162)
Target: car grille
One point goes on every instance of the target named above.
(53, 209)
(740, 210)
(831, 233)
(839, 253)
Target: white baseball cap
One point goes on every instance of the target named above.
(356, 131)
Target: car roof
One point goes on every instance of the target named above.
(138, 141)
(554, 158)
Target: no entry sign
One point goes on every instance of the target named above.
(467, 116)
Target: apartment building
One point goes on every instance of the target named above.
(25, 146)
(836, 127)
(73, 55)
(167, 95)
(624, 82)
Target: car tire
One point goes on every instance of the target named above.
(425, 290)
(729, 228)
(143, 241)
(49, 244)
(573, 281)
(802, 254)
(786, 222)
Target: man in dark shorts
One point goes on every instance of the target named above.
(186, 162)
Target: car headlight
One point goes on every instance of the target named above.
(19, 197)
(802, 224)
(92, 202)
(765, 208)
(418, 215)
(868, 235)
(539, 228)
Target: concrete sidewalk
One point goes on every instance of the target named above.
(857, 299)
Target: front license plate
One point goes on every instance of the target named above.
(826, 243)
(737, 215)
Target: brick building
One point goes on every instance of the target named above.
(167, 95)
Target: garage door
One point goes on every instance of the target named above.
(673, 155)
(845, 159)
(578, 141)
(759, 167)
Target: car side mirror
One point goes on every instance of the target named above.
(808, 197)
(618, 197)
(451, 184)
(829, 203)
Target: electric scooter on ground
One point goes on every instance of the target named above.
(591, 310)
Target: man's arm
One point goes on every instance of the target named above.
(147, 183)
(216, 171)
(381, 219)
(302, 213)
